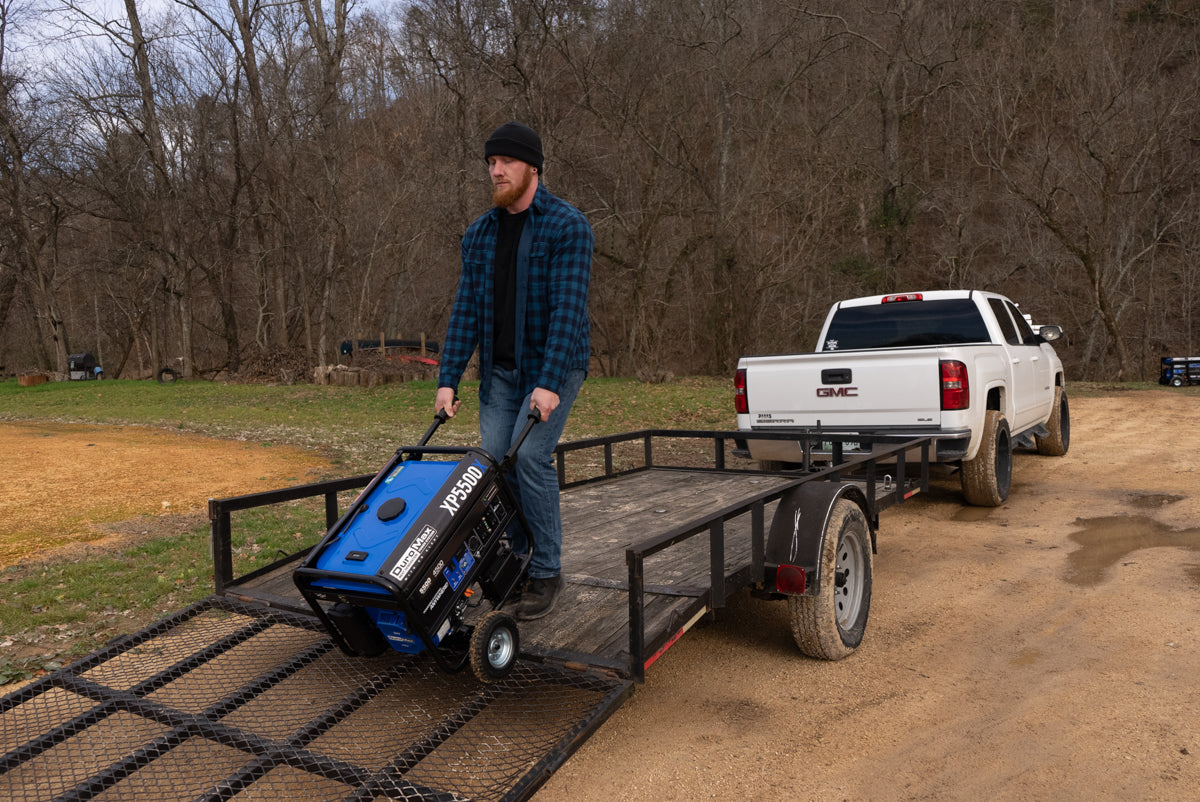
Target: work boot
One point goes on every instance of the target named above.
(538, 598)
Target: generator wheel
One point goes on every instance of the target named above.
(1056, 443)
(830, 625)
(987, 478)
(495, 644)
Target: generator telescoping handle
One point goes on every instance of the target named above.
(511, 455)
(439, 417)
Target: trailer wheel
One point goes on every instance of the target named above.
(987, 478)
(830, 625)
(495, 644)
(1056, 443)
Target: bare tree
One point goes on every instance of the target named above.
(1095, 162)
(33, 213)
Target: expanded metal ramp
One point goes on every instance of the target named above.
(232, 701)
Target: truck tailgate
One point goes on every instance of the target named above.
(843, 389)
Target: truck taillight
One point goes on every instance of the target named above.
(907, 296)
(956, 388)
(740, 405)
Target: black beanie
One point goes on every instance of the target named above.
(517, 141)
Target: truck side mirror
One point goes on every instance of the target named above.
(1050, 333)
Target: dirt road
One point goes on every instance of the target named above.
(1046, 649)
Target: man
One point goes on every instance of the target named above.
(522, 300)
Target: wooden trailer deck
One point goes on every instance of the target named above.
(601, 521)
(648, 549)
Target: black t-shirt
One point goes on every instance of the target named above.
(504, 293)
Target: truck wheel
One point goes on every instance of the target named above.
(1056, 443)
(987, 478)
(830, 624)
(495, 644)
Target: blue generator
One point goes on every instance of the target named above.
(425, 545)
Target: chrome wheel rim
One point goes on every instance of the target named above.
(500, 648)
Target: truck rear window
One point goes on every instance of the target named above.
(907, 323)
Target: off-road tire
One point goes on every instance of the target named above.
(495, 644)
(1056, 443)
(987, 479)
(830, 625)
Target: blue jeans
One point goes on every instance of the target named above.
(534, 478)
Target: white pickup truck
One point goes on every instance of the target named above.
(963, 366)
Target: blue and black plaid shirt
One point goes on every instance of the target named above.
(554, 266)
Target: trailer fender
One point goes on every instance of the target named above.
(797, 535)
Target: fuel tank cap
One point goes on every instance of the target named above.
(390, 509)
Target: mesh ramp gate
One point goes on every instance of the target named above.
(232, 701)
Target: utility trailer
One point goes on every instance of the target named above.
(246, 693)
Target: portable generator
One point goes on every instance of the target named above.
(399, 569)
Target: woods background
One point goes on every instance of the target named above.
(204, 185)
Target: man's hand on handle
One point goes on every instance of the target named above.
(446, 400)
(541, 400)
(544, 402)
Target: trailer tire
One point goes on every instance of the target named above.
(1056, 443)
(987, 479)
(495, 644)
(830, 624)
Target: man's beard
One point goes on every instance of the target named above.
(504, 198)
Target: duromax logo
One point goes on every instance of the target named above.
(412, 554)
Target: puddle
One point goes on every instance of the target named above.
(1106, 542)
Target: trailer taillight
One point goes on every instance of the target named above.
(740, 404)
(956, 388)
(907, 296)
(790, 579)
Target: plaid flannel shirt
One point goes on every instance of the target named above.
(552, 285)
